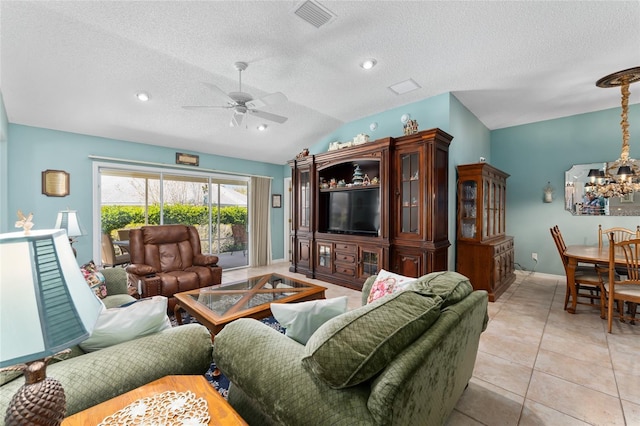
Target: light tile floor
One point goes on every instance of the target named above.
(537, 364)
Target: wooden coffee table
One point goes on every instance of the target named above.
(216, 307)
(221, 413)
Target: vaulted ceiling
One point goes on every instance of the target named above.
(77, 65)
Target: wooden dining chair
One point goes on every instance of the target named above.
(620, 234)
(623, 288)
(588, 282)
(109, 255)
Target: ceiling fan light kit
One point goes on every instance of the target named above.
(242, 103)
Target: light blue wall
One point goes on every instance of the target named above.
(32, 150)
(537, 153)
(4, 168)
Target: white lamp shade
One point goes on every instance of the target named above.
(68, 219)
(45, 303)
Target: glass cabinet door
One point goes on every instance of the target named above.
(410, 193)
(305, 198)
(468, 208)
(369, 261)
(324, 255)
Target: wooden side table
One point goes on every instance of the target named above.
(222, 414)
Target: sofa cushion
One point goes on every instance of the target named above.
(302, 319)
(452, 287)
(387, 283)
(353, 347)
(117, 325)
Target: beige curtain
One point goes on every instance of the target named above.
(260, 222)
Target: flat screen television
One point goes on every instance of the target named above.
(355, 212)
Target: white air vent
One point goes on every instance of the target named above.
(314, 13)
(404, 87)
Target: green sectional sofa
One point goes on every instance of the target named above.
(91, 378)
(404, 359)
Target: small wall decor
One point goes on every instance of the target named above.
(55, 183)
(188, 159)
(548, 192)
(276, 201)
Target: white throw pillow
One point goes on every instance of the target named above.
(117, 325)
(302, 319)
(387, 283)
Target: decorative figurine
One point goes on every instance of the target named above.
(303, 153)
(25, 222)
(333, 183)
(411, 127)
(375, 180)
(366, 181)
(342, 183)
(357, 176)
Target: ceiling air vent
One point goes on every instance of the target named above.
(314, 13)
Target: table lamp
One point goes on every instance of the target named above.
(68, 219)
(46, 306)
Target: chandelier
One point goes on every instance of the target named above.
(621, 177)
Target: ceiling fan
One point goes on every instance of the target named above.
(242, 103)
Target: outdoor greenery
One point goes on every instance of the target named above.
(118, 217)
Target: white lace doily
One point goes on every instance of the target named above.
(169, 408)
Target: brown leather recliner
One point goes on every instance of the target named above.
(167, 259)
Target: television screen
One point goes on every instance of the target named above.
(355, 212)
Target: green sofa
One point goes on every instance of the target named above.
(91, 378)
(414, 375)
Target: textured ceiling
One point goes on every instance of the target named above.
(75, 66)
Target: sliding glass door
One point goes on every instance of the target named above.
(215, 204)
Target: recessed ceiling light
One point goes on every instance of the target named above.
(368, 64)
(143, 96)
(262, 127)
(404, 87)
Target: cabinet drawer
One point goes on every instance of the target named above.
(345, 258)
(350, 248)
(349, 270)
(503, 248)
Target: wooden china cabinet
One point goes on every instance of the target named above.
(485, 253)
(345, 231)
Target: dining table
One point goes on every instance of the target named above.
(586, 254)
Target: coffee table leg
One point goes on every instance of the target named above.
(178, 314)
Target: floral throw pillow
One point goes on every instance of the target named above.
(388, 283)
(94, 279)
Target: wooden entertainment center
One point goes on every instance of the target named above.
(345, 230)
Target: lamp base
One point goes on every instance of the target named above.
(40, 401)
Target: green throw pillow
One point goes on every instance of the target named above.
(355, 346)
(301, 320)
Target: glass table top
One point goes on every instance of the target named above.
(243, 295)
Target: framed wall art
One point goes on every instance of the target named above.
(55, 183)
(276, 201)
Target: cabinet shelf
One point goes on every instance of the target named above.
(350, 188)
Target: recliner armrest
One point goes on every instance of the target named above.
(205, 260)
(140, 269)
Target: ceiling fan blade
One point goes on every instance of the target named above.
(195, 107)
(219, 92)
(270, 99)
(236, 120)
(268, 116)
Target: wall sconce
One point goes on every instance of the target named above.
(548, 192)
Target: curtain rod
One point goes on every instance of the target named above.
(173, 166)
